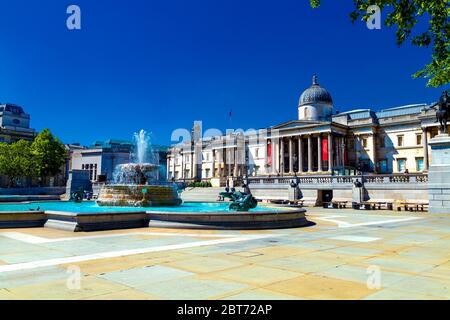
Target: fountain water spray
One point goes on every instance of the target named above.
(139, 183)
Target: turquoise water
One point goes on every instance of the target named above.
(91, 206)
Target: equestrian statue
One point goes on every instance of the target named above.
(442, 108)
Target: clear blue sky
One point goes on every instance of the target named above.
(160, 65)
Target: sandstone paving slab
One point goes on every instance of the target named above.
(5, 294)
(393, 294)
(441, 271)
(8, 246)
(59, 290)
(319, 287)
(400, 264)
(299, 265)
(361, 274)
(356, 251)
(39, 254)
(138, 277)
(425, 285)
(127, 294)
(102, 266)
(192, 288)
(203, 264)
(256, 275)
(260, 294)
(312, 245)
(14, 279)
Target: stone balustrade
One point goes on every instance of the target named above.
(378, 179)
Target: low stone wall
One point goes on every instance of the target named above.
(96, 221)
(278, 218)
(310, 192)
(33, 191)
(22, 219)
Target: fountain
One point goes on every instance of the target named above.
(139, 183)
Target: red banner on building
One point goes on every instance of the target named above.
(325, 149)
(269, 153)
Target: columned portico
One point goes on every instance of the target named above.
(291, 156)
(310, 154)
(330, 153)
(281, 157)
(319, 153)
(300, 154)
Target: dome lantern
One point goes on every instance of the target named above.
(315, 102)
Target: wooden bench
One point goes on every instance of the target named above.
(336, 204)
(413, 205)
(379, 204)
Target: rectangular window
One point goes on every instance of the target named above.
(364, 142)
(400, 141)
(419, 164)
(401, 165)
(207, 173)
(419, 139)
(257, 153)
(382, 166)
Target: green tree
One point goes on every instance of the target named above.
(49, 154)
(17, 161)
(405, 14)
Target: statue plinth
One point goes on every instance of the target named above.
(439, 174)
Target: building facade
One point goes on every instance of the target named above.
(321, 141)
(15, 124)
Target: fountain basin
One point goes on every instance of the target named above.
(138, 196)
(276, 218)
(88, 216)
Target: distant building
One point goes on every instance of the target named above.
(14, 124)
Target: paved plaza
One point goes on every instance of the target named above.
(347, 254)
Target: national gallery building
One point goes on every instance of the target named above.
(321, 141)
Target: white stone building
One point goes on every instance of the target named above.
(321, 141)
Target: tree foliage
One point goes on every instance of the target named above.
(49, 153)
(42, 158)
(17, 161)
(405, 15)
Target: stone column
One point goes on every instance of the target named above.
(373, 151)
(330, 152)
(274, 156)
(319, 153)
(300, 154)
(425, 148)
(281, 156)
(194, 164)
(236, 165)
(310, 156)
(357, 149)
(168, 168)
(213, 163)
(291, 156)
(182, 166)
(266, 161)
(219, 160)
